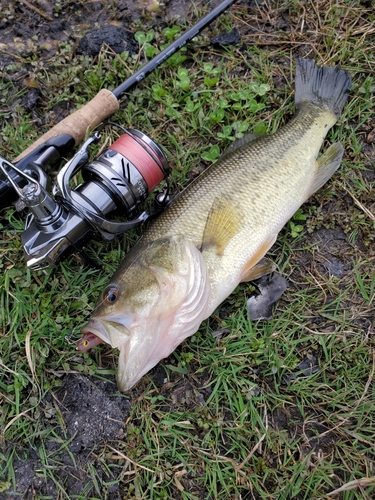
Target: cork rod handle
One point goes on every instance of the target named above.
(76, 125)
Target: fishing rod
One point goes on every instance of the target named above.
(115, 183)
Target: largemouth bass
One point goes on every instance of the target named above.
(216, 232)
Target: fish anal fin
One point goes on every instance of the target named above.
(327, 165)
(256, 266)
(223, 223)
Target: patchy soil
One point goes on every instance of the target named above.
(91, 413)
(25, 28)
(93, 416)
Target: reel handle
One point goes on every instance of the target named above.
(75, 125)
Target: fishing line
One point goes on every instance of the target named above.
(141, 157)
(143, 153)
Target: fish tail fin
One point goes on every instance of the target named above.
(328, 85)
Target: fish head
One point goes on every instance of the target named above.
(154, 301)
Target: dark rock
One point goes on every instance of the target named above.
(117, 38)
(306, 368)
(336, 267)
(31, 99)
(230, 38)
(271, 289)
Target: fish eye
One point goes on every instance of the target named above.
(111, 295)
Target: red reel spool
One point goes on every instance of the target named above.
(144, 154)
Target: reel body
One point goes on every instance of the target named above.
(116, 182)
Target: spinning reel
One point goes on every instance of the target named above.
(116, 182)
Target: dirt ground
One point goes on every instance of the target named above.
(42, 26)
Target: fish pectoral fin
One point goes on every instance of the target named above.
(327, 165)
(223, 223)
(256, 266)
(264, 266)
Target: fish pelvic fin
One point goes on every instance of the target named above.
(328, 85)
(256, 266)
(327, 165)
(264, 266)
(223, 223)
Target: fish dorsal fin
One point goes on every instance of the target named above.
(327, 164)
(223, 223)
(240, 143)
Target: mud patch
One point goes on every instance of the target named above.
(118, 39)
(91, 412)
(332, 250)
(316, 438)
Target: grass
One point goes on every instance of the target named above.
(235, 416)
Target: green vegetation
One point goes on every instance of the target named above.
(235, 415)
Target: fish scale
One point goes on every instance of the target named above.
(243, 172)
(267, 179)
(215, 233)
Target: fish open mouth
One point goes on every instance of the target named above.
(95, 327)
(113, 333)
(144, 350)
(92, 334)
(88, 341)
